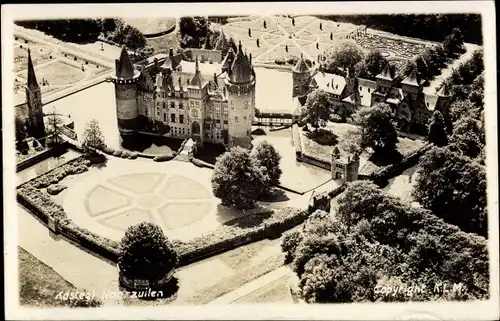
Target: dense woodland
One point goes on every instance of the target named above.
(89, 30)
(433, 27)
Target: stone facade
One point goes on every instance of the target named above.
(411, 107)
(212, 101)
(344, 168)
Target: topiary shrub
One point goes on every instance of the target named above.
(55, 189)
(289, 244)
(165, 157)
(132, 156)
(108, 150)
(146, 254)
(117, 153)
(258, 131)
(323, 136)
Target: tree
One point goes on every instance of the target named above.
(454, 188)
(476, 95)
(268, 157)
(238, 179)
(93, 139)
(371, 65)
(258, 42)
(344, 55)
(249, 32)
(293, 21)
(193, 31)
(437, 130)
(147, 254)
(54, 123)
(468, 136)
(377, 129)
(317, 107)
(265, 24)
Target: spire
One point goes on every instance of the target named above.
(241, 70)
(412, 79)
(124, 68)
(197, 66)
(197, 79)
(386, 73)
(301, 66)
(444, 92)
(32, 83)
(228, 61)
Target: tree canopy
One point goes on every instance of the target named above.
(344, 55)
(92, 136)
(317, 107)
(372, 240)
(454, 188)
(437, 130)
(238, 179)
(377, 129)
(268, 157)
(193, 31)
(371, 65)
(146, 253)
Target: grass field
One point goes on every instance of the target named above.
(39, 284)
(151, 25)
(164, 43)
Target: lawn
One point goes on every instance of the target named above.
(39, 54)
(164, 43)
(39, 284)
(58, 73)
(151, 25)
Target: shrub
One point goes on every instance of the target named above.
(132, 156)
(258, 131)
(280, 61)
(117, 153)
(335, 118)
(164, 158)
(146, 253)
(55, 189)
(289, 244)
(125, 154)
(323, 136)
(200, 163)
(108, 150)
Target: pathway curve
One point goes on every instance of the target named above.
(435, 84)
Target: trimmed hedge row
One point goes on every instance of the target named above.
(119, 153)
(200, 163)
(54, 176)
(56, 189)
(165, 157)
(230, 236)
(390, 171)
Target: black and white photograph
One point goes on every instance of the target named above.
(333, 160)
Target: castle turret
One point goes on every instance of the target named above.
(125, 80)
(240, 85)
(301, 74)
(412, 84)
(228, 61)
(443, 102)
(35, 124)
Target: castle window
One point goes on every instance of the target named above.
(245, 118)
(246, 104)
(165, 117)
(164, 105)
(232, 105)
(172, 104)
(181, 105)
(192, 104)
(197, 104)
(172, 118)
(217, 109)
(145, 98)
(195, 113)
(236, 119)
(225, 122)
(181, 119)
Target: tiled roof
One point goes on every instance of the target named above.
(387, 73)
(444, 92)
(331, 83)
(301, 66)
(241, 69)
(124, 67)
(413, 79)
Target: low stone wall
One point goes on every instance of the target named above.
(314, 161)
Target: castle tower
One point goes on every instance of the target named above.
(350, 80)
(125, 80)
(222, 43)
(412, 84)
(35, 125)
(301, 74)
(385, 81)
(198, 94)
(240, 86)
(443, 102)
(352, 168)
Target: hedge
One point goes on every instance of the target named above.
(230, 236)
(165, 157)
(119, 153)
(200, 163)
(55, 189)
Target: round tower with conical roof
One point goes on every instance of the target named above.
(301, 74)
(125, 80)
(240, 87)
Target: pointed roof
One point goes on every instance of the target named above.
(241, 69)
(222, 43)
(301, 66)
(124, 67)
(31, 72)
(412, 79)
(197, 80)
(228, 60)
(444, 92)
(386, 73)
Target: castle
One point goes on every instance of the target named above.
(210, 100)
(29, 113)
(411, 107)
